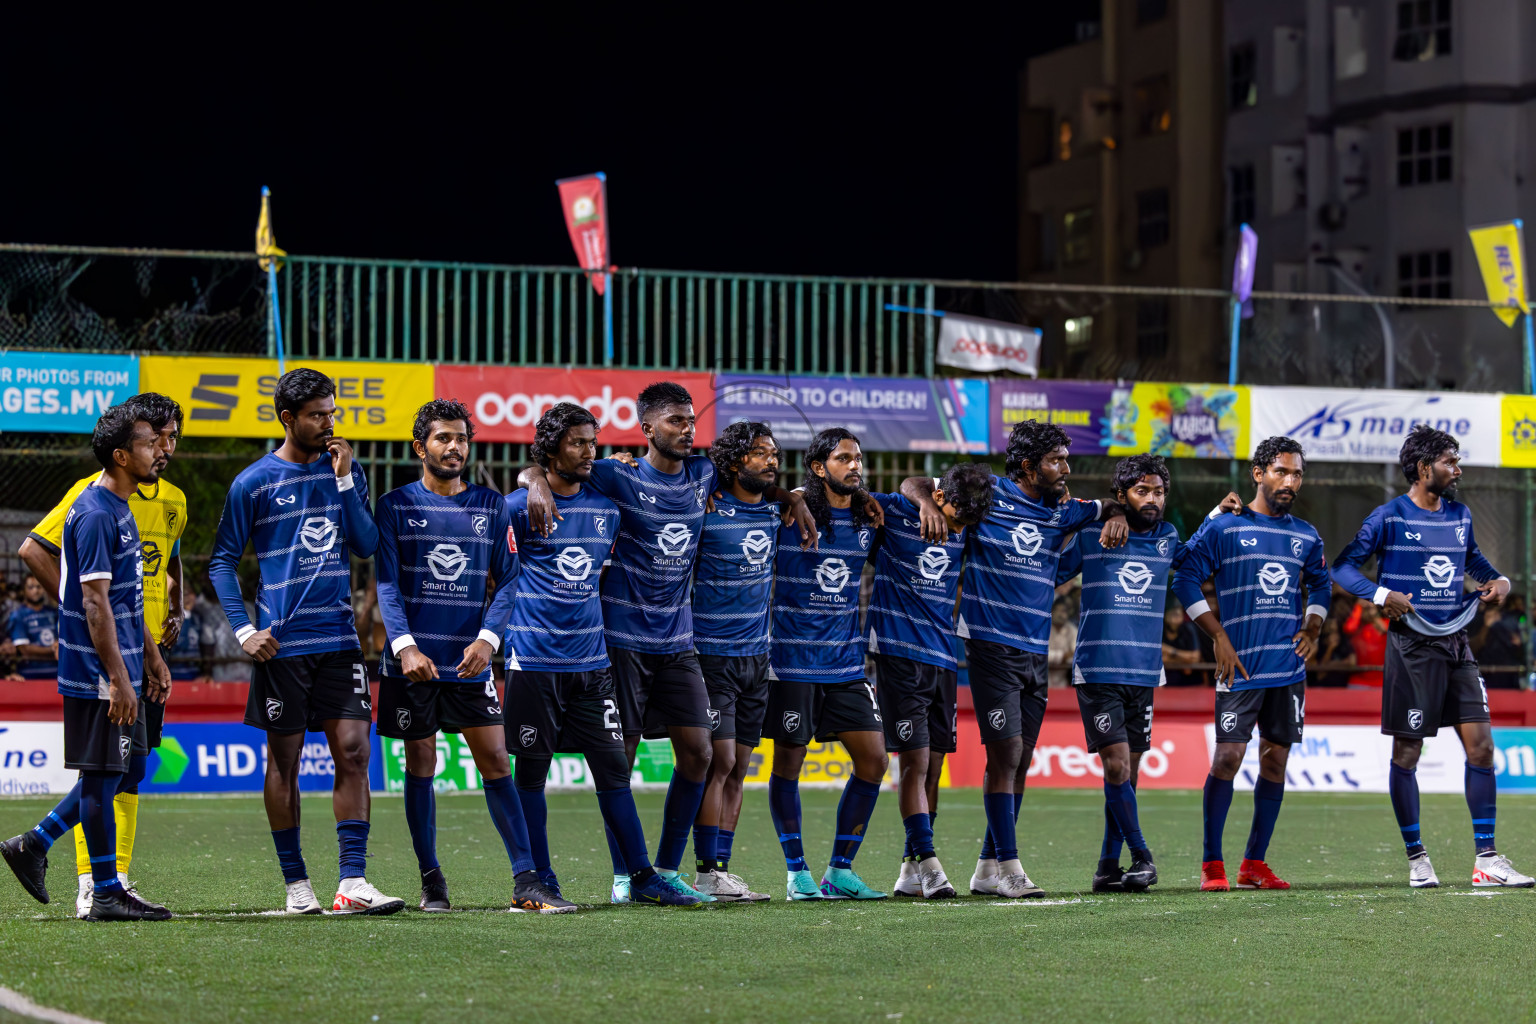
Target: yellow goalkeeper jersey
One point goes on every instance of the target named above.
(160, 510)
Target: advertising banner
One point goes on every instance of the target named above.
(1345, 425)
(1084, 409)
(232, 397)
(61, 393)
(507, 401)
(984, 345)
(1500, 252)
(32, 759)
(230, 757)
(456, 772)
(585, 203)
(1517, 431)
(1188, 421)
(1177, 760)
(889, 414)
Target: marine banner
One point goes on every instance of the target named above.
(1347, 425)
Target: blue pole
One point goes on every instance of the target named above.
(1237, 322)
(277, 321)
(607, 319)
(890, 308)
(1530, 355)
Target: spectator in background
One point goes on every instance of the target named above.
(1063, 643)
(1181, 647)
(1500, 640)
(1366, 631)
(186, 657)
(1333, 648)
(34, 630)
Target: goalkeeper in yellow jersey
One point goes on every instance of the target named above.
(160, 511)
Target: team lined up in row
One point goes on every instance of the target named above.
(728, 610)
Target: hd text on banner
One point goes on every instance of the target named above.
(56, 392)
(232, 397)
(1345, 425)
(507, 401)
(1084, 409)
(888, 414)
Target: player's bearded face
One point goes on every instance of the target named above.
(1280, 482)
(1144, 503)
(759, 468)
(313, 425)
(145, 458)
(578, 450)
(446, 449)
(1444, 474)
(1051, 474)
(845, 469)
(670, 431)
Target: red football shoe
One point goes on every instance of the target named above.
(1213, 876)
(1255, 874)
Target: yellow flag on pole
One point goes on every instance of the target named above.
(267, 251)
(1501, 256)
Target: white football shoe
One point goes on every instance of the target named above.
(301, 898)
(1014, 884)
(1493, 870)
(620, 891)
(908, 882)
(934, 882)
(984, 878)
(357, 896)
(1421, 873)
(84, 896)
(726, 887)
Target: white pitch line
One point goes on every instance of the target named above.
(17, 1003)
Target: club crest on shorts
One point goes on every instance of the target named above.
(125, 747)
(714, 719)
(997, 718)
(791, 721)
(1101, 723)
(274, 709)
(402, 718)
(1228, 721)
(1415, 718)
(904, 729)
(527, 734)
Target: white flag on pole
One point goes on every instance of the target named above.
(975, 344)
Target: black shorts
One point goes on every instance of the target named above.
(409, 710)
(1008, 689)
(153, 712)
(738, 696)
(1429, 682)
(297, 693)
(659, 691)
(1280, 712)
(552, 713)
(917, 704)
(1116, 713)
(801, 712)
(92, 743)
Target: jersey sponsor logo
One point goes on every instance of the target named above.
(1274, 579)
(402, 718)
(726, 511)
(318, 534)
(527, 734)
(1101, 722)
(1461, 534)
(415, 522)
(447, 562)
(1163, 544)
(714, 719)
(933, 563)
(791, 721)
(1413, 536)
(152, 557)
(602, 526)
(126, 538)
(1415, 718)
(673, 539)
(646, 497)
(288, 500)
(832, 575)
(1055, 515)
(1296, 547)
(274, 709)
(478, 523)
(864, 540)
(1134, 578)
(904, 729)
(698, 494)
(1228, 721)
(1026, 539)
(1248, 543)
(1439, 570)
(574, 564)
(756, 546)
(1003, 504)
(997, 718)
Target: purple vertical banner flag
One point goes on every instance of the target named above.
(1243, 267)
(1081, 408)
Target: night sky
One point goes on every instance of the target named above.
(878, 145)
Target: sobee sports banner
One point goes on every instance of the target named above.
(507, 401)
(1188, 421)
(57, 392)
(1344, 425)
(1084, 409)
(889, 414)
(232, 397)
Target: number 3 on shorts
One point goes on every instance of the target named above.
(360, 676)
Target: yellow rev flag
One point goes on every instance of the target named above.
(1501, 255)
(266, 242)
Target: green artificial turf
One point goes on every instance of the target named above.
(1350, 942)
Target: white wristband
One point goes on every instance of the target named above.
(244, 633)
(1316, 609)
(403, 641)
(344, 483)
(490, 638)
(1381, 595)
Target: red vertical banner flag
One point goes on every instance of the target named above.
(585, 201)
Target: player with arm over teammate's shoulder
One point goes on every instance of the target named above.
(1118, 663)
(1273, 590)
(560, 695)
(303, 507)
(911, 637)
(1006, 594)
(444, 548)
(1424, 549)
(104, 662)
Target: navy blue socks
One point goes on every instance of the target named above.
(1215, 804)
(421, 817)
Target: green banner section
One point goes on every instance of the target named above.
(456, 771)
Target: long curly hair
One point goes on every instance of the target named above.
(732, 446)
(1030, 442)
(821, 448)
(551, 429)
(1424, 444)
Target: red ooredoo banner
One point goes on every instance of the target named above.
(585, 202)
(507, 401)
